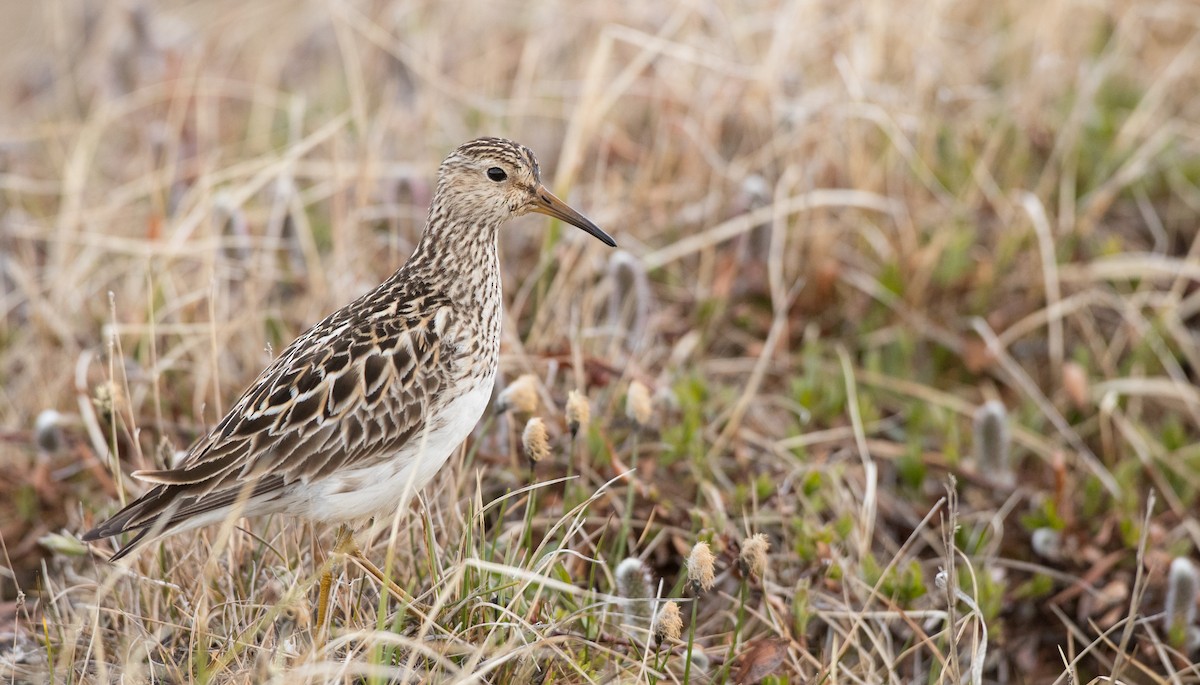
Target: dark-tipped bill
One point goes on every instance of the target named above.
(550, 205)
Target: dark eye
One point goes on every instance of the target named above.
(496, 174)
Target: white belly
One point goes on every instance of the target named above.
(391, 483)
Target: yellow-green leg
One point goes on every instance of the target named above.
(323, 597)
(343, 533)
(348, 547)
(345, 546)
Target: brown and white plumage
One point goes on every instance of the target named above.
(363, 409)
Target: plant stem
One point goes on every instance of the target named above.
(687, 667)
(627, 515)
(737, 630)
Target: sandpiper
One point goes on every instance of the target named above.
(360, 411)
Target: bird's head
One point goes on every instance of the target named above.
(500, 179)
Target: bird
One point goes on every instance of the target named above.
(363, 409)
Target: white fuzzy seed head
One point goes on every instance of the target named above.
(700, 661)
(1183, 585)
(579, 412)
(1047, 543)
(668, 625)
(701, 568)
(536, 440)
(636, 586)
(520, 396)
(47, 431)
(992, 441)
(633, 580)
(638, 405)
(754, 555)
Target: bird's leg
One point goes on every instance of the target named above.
(342, 534)
(347, 546)
(323, 597)
(327, 578)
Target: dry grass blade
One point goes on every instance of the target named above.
(851, 233)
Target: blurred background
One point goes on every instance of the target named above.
(867, 249)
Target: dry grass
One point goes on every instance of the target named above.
(845, 228)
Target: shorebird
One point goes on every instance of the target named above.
(364, 408)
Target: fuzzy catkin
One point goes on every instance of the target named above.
(579, 412)
(636, 587)
(668, 625)
(1183, 584)
(638, 406)
(536, 440)
(700, 568)
(992, 441)
(47, 431)
(754, 555)
(520, 396)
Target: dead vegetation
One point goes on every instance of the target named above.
(902, 331)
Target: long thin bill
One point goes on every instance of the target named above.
(550, 205)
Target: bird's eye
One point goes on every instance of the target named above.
(496, 174)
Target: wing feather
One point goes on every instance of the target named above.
(324, 419)
(345, 394)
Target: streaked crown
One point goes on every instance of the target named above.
(487, 181)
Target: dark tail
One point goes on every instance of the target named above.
(142, 516)
(166, 509)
